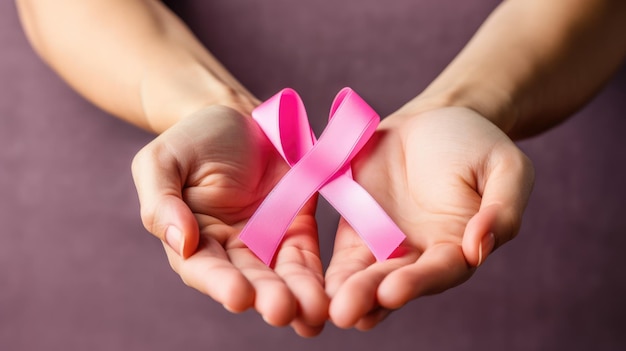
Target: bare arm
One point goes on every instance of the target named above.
(534, 62)
(133, 58)
(530, 66)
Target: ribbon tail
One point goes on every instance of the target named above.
(381, 235)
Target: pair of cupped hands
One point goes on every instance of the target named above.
(453, 182)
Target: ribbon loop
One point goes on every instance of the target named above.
(322, 165)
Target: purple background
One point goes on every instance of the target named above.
(78, 272)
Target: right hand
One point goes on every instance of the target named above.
(198, 184)
(455, 184)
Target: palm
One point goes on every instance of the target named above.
(224, 168)
(430, 173)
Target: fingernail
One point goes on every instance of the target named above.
(486, 245)
(174, 238)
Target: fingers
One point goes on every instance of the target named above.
(298, 263)
(364, 292)
(210, 272)
(163, 212)
(306, 284)
(238, 280)
(439, 268)
(373, 318)
(350, 255)
(353, 278)
(357, 296)
(508, 182)
(305, 330)
(274, 300)
(367, 297)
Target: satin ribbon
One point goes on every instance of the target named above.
(322, 165)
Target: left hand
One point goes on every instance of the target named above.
(455, 184)
(205, 176)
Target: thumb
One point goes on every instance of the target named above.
(158, 181)
(509, 179)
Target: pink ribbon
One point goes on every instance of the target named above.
(323, 166)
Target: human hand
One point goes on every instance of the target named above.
(455, 184)
(198, 183)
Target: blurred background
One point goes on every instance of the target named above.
(79, 272)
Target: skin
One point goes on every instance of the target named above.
(443, 166)
(227, 171)
(448, 178)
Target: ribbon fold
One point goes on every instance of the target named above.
(318, 165)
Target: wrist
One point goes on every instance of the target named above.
(493, 103)
(168, 98)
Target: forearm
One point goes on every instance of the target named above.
(133, 58)
(534, 62)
